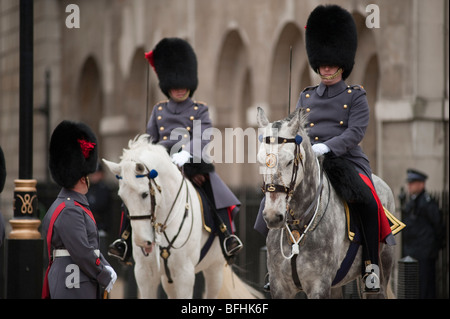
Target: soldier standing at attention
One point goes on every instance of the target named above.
(77, 269)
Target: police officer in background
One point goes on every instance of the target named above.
(172, 124)
(77, 269)
(424, 232)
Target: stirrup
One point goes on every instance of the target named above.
(371, 282)
(118, 249)
(234, 249)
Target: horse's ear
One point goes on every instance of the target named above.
(113, 167)
(261, 118)
(294, 123)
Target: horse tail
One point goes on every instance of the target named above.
(234, 287)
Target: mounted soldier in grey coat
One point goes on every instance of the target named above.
(179, 124)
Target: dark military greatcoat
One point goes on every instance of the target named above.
(169, 116)
(423, 235)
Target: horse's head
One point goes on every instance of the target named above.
(138, 166)
(281, 157)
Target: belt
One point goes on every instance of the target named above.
(65, 253)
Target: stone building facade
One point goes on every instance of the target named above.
(98, 74)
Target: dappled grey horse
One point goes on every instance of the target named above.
(298, 192)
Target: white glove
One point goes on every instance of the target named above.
(181, 158)
(113, 278)
(320, 149)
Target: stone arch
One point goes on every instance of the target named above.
(234, 96)
(233, 82)
(367, 73)
(290, 36)
(134, 105)
(89, 108)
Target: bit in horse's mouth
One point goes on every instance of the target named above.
(147, 248)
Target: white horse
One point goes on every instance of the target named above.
(168, 232)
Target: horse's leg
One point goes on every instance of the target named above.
(317, 289)
(280, 289)
(147, 280)
(183, 277)
(213, 280)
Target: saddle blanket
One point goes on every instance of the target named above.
(395, 224)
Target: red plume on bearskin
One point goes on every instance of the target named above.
(73, 153)
(149, 57)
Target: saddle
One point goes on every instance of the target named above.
(213, 222)
(352, 227)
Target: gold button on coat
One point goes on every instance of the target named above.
(316, 138)
(308, 109)
(160, 108)
(349, 91)
(159, 117)
(191, 118)
(307, 95)
(341, 122)
(311, 124)
(161, 128)
(345, 106)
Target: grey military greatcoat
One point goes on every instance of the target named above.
(78, 268)
(187, 121)
(338, 116)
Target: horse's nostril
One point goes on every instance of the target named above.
(280, 217)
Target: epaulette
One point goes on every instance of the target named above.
(162, 102)
(200, 103)
(309, 88)
(356, 87)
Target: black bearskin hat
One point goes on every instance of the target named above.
(175, 63)
(73, 153)
(331, 38)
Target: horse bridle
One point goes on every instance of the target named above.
(161, 227)
(152, 174)
(298, 159)
(276, 188)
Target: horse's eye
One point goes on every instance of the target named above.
(290, 162)
(144, 195)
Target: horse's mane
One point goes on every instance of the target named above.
(141, 143)
(303, 127)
